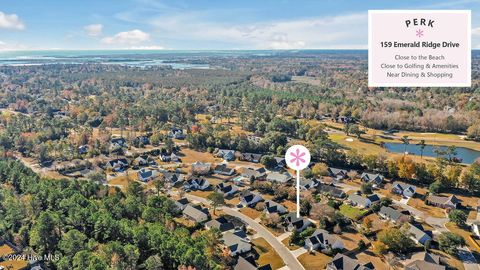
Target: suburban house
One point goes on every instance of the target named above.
(224, 170)
(451, 202)
(321, 239)
(363, 201)
(281, 178)
(249, 263)
(331, 191)
(174, 158)
(424, 260)
(227, 190)
(200, 168)
(197, 183)
(250, 157)
(226, 154)
(418, 235)
(220, 223)
(83, 149)
(118, 142)
(176, 133)
(248, 199)
(342, 262)
(143, 140)
(281, 163)
(236, 243)
(307, 184)
(298, 224)
(374, 179)
(118, 164)
(141, 160)
(403, 189)
(337, 173)
(253, 174)
(393, 215)
(181, 203)
(172, 178)
(476, 228)
(146, 175)
(196, 213)
(272, 207)
(165, 157)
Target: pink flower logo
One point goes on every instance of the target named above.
(419, 33)
(297, 157)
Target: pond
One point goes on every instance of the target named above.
(468, 156)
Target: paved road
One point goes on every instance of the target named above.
(288, 258)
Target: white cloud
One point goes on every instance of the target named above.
(132, 37)
(4, 46)
(11, 21)
(318, 32)
(153, 47)
(94, 30)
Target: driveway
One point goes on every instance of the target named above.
(288, 257)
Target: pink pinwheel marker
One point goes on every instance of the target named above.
(297, 158)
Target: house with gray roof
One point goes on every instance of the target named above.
(424, 261)
(391, 214)
(181, 203)
(418, 235)
(374, 179)
(297, 223)
(363, 201)
(251, 173)
(451, 202)
(331, 190)
(307, 184)
(146, 174)
(197, 183)
(403, 189)
(196, 213)
(222, 169)
(248, 263)
(250, 157)
(343, 262)
(281, 162)
(226, 154)
(226, 189)
(249, 199)
(277, 177)
(337, 173)
(220, 223)
(236, 243)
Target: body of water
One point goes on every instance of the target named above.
(468, 156)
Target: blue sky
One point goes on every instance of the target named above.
(199, 24)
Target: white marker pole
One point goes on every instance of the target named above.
(298, 193)
(297, 158)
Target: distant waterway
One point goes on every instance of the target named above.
(468, 156)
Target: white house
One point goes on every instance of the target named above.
(248, 199)
(226, 190)
(321, 239)
(236, 243)
(403, 189)
(374, 179)
(418, 236)
(298, 224)
(197, 183)
(363, 202)
(146, 175)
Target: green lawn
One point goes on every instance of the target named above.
(352, 212)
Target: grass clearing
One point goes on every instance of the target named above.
(287, 244)
(314, 261)
(432, 211)
(189, 156)
(200, 193)
(14, 264)
(267, 255)
(250, 212)
(352, 212)
(467, 235)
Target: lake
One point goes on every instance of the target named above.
(467, 155)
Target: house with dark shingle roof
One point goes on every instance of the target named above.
(403, 189)
(172, 178)
(249, 263)
(337, 173)
(374, 179)
(321, 239)
(281, 162)
(197, 183)
(343, 262)
(272, 207)
(220, 223)
(226, 190)
(181, 203)
(226, 154)
(224, 170)
(424, 261)
(196, 213)
(146, 174)
(451, 202)
(254, 174)
(251, 157)
(118, 164)
(294, 223)
(331, 190)
(307, 184)
(249, 199)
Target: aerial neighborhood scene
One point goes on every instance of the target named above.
(127, 145)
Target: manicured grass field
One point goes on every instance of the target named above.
(352, 212)
(267, 254)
